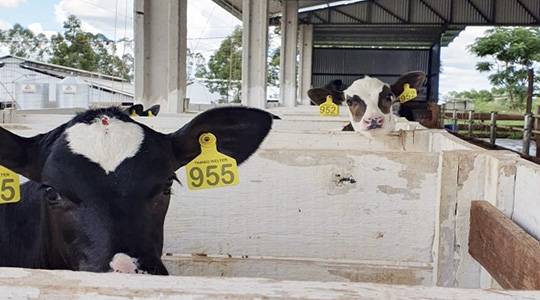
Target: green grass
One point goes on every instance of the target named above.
(498, 107)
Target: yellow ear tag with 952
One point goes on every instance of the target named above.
(408, 94)
(329, 108)
(211, 169)
(10, 191)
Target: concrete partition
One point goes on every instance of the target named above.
(315, 207)
(53, 285)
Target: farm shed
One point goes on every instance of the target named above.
(39, 85)
(333, 39)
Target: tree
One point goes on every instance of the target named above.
(92, 52)
(73, 48)
(473, 95)
(24, 43)
(224, 69)
(514, 52)
(195, 64)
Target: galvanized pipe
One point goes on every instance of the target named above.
(527, 134)
(471, 122)
(442, 112)
(455, 119)
(493, 128)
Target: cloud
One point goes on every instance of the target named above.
(208, 23)
(37, 28)
(11, 3)
(459, 66)
(111, 18)
(4, 25)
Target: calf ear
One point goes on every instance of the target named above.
(20, 154)
(239, 132)
(318, 96)
(136, 110)
(415, 80)
(152, 111)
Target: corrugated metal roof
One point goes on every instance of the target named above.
(457, 12)
(444, 12)
(274, 6)
(450, 16)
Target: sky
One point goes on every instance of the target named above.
(208, 24)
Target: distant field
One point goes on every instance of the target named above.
(492, 106)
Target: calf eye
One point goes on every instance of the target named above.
(51, 196)
(168, 186)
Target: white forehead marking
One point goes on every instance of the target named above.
(107, 145)
(367, 88)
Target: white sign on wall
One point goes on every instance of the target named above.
(29, 88)
(69, 89)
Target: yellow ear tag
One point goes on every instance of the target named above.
(329, 108)
(408, 94)
(133, 114)
(211, 169)
(150, 114)
(10, 191)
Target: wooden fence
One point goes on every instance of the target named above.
(530, 128)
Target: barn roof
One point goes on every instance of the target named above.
(400, 23)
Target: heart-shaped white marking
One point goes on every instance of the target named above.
(107, 145)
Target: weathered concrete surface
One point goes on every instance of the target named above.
(303, 269)
(350, 205)
(53, 285)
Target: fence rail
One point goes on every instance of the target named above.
(530, 128)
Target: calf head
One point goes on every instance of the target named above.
(369, 100)
(106, 181)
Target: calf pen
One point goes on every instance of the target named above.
(319, 205)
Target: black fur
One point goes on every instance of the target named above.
(75, 216)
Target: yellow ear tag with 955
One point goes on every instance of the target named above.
(211, 169)
(10, 191)
(329, 108)
(408, 94)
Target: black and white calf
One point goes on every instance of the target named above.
(100, 187)
(369, 100)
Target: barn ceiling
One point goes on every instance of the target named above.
(400, 23)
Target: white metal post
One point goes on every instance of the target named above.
(289, 43)
(254, 52)
(306, 53)
(160, 52)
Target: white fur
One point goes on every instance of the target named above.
(368, 90)
(106, 145)
(123, 263)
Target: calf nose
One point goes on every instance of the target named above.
(123, 263)
(374, 122)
